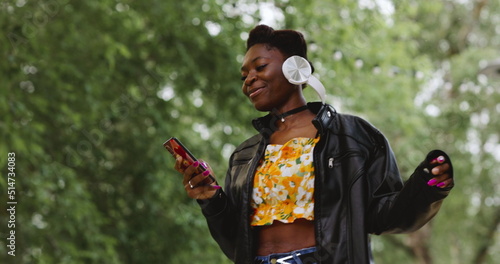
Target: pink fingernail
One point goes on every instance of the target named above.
(441, 184)
(439, 159)
(206, 173)
(216, 186)
(196, 164)
(431, 182)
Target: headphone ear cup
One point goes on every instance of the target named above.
(297, 70)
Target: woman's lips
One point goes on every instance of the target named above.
(253, 93)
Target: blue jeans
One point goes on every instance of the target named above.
(301, 256)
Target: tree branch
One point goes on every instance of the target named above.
(489, 239)
(467, 28)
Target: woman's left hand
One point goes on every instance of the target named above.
(442, 177)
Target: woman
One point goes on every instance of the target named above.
(312, 184)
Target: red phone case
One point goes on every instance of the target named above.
(175, 147)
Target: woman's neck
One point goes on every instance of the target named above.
(296, 125)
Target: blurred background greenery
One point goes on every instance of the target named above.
(91, 89)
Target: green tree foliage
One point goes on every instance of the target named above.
(91, 89)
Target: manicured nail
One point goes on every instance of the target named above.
(216, 186)
(431, 182)
(196, 164)
(205, 173)
(439, 159)
(441, 184)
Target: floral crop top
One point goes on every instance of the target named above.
(283, 186)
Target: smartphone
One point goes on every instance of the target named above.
(175, 147)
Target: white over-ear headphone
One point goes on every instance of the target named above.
(297, 70)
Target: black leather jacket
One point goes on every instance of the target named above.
(358, 191)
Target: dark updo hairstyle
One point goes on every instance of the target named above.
(289, 42)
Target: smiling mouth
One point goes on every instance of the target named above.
(254, 92)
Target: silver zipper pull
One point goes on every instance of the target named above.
(330, 162)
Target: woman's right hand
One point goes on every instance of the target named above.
(194, 182)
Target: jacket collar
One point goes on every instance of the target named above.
(325, 115)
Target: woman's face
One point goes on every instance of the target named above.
(263, 79)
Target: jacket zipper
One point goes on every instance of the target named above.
(319, 171)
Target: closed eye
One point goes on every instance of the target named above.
(261, 67)
(258, 69)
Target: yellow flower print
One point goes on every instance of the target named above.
(287, 152)
(284, 183)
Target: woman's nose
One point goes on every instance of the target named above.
(249, 80)
(251, 77)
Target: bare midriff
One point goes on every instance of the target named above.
(280, 237)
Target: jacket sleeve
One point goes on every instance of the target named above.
(397, 208)
(228, 212)
(221, 221)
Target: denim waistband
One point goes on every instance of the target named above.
(301, 256)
